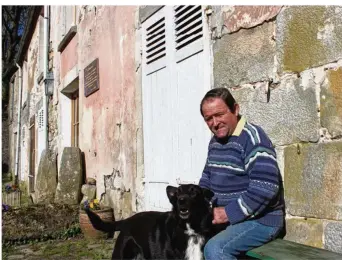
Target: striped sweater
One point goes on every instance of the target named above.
(244, 175)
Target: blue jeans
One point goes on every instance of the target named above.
(238, 239)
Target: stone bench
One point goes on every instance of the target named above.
(280, 249)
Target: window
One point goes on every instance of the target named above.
(24, 84)
(11, 97)
(67, 19)
(75, 119)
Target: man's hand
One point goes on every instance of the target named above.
(220, 216)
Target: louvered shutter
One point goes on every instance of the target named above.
(188, 30)
(175, 76)
(154, 42)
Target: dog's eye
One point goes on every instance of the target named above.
(192, 192)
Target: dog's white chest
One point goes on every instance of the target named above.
(195, 242)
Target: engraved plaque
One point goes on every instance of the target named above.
(91, 78)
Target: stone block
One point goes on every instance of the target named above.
(120, 201)
(313, 180)
(245, 56)
(89, 192)
(127, 204)
(70, 177)
(308, 36)
(46, 180)
(289, 116)
(305, 231)
(333, 236)
(280, 159)
(237, 17)
(331, 102)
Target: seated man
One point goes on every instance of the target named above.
(242, 170)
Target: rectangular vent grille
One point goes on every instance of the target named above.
(188, 23)
(155, 41)
(41, 119)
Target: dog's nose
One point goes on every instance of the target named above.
(181, 200)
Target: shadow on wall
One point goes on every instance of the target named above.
(283, 231)
(84, 173)
(4, 168)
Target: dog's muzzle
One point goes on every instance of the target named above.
(184, 213)
(183, 207)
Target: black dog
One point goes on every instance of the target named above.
(178, 234)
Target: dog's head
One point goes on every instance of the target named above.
(189, 200)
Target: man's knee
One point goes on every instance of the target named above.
(212, 250)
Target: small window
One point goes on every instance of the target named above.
(67, 19)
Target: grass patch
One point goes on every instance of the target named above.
(78, 249)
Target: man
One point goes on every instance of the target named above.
(241, 169)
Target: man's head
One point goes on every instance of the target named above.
(220, 111)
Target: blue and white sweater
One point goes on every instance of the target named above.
(244, 175)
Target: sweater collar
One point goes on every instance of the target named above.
(239, 127)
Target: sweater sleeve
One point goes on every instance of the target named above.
(205, 179)
(264, 177)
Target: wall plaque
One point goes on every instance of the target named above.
(91, 78)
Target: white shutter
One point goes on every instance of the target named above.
(188, 30)
(157, 131)
(176, 75)
(154, 43)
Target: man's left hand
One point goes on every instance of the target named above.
(220, 215)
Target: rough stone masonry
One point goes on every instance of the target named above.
(284, 66)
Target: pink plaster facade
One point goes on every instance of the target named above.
(237, 17)
(107, 117)
(69, 57)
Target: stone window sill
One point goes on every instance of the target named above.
(67, 38)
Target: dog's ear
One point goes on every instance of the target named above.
(171, 192)
(207, 193)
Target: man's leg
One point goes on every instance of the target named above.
(237, 239)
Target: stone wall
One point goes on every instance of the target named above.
(33, 91)
(13, 121)
(284, 67)
(32, 95)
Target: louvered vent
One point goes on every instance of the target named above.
(40, 119)
(189, 27)
(155, 41)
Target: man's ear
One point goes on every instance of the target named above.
(171, 192)
(237, 109)
(207, 193)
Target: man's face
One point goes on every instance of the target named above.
(220, 120)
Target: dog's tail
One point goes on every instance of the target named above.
(99, 224)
